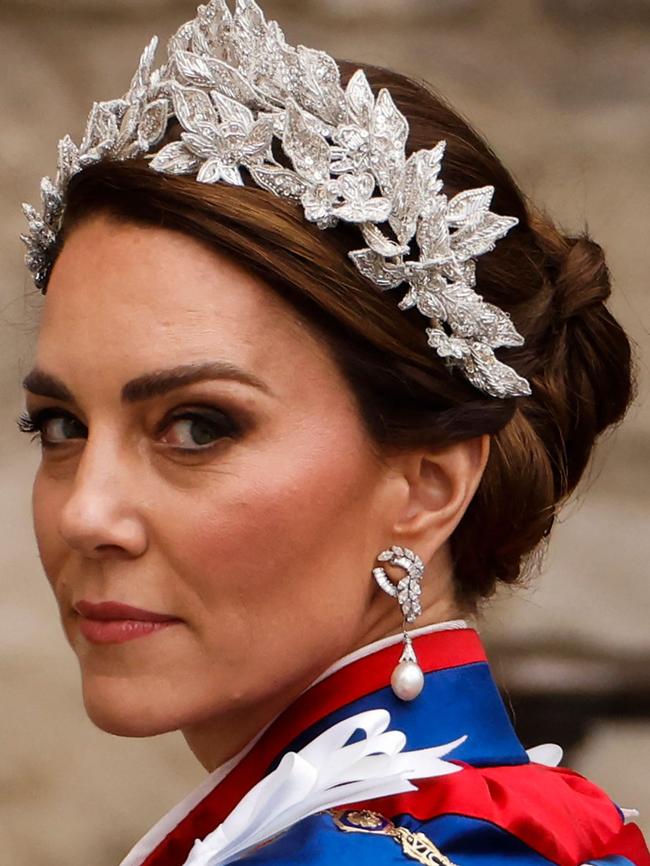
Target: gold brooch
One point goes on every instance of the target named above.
(416, 846)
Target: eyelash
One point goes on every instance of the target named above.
(35, 424)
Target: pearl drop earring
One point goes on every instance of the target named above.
(407, 680)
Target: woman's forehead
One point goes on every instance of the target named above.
(158, 282)
(137, 299)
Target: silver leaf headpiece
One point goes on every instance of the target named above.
(234, 85)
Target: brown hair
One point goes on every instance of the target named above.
(576, 355)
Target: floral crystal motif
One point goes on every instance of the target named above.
(236, 87)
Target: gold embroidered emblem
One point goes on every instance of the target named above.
(415, 846)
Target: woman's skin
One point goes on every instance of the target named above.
(250, 512)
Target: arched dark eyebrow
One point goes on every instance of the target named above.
(149, 385)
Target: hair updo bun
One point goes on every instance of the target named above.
(589, 359)
(576, 356)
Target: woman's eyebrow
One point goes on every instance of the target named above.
(149, 385)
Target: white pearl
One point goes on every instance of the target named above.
(407, 680)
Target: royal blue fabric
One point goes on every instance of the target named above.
(454, 702)
(613, 860)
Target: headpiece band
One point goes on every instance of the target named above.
(235, 85)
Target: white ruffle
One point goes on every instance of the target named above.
(328, 772)
(548, 754)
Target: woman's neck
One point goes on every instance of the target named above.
(220, 741)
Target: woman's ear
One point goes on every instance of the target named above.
(439, 486)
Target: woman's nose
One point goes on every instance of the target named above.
(100, 516)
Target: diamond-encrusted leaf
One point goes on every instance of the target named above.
(279, 181)
(194, 109)
(68, 162)
(308, 150)
(389, 132)
(128, 129)
(481, 238)
(175, 158)
(379, 243)
(429, 163)
(268, 62)
(202, 146)
(182, 39)
(231, 111)
(140, 81)
(388, 122)
(98, 127)
(246, 33)
(493, 377)
(257, 144)
(51, 198)
(194, 69)
(470, 206)
(427, 301)
(375, 268)
(210, 171)
(153, 124)
(210, 72)
(407, 202)
(34, 219)
(320, 89)
(360, 99)
(466, 313)
(501, 329)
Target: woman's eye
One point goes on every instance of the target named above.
(52, 427)
(193, 431)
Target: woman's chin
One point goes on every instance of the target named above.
(124, 713)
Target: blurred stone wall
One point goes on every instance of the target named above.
(561, 89)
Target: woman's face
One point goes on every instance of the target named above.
(203, 461)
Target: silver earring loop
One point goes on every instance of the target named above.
(407, 680)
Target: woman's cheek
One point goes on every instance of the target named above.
(46, 507)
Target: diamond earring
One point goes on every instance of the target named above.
(407, 680)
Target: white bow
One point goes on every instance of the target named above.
(326, 773)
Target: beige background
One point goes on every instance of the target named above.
(561, 89)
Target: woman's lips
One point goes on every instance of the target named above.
(114, 622)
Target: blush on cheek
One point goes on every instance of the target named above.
(286, 545)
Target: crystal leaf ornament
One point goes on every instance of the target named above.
(253, 109)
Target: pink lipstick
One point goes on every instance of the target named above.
(114, 622)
